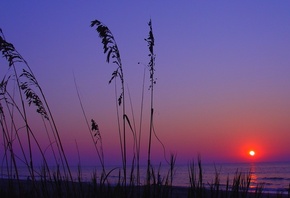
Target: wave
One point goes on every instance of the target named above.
(275, 178)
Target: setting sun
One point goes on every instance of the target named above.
(252, 153)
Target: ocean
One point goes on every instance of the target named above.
(274, 176)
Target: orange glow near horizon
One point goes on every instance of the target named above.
(253, 151)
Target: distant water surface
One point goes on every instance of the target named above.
(275, 176)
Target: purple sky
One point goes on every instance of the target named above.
(222, 68)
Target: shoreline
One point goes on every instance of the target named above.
(8, 185)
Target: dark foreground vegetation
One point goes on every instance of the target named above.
(240, 186)
(19, 89)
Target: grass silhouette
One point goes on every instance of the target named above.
(19, 89)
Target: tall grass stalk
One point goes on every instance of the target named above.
(94, 131)
(111, 49)
(196, 188)
(215, 185)
(138, 145)
(12, 57)
(151, 66)
(28, 86)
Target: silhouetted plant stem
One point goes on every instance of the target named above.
(63, 155)
(14, 128)
(151, 64)
(44, 110)
(8, 146)
(135, 162)
(97, 134)
(119, 126)
(94, 127)
(50, 141)
(140, 127)
(111, 49)
(25, 81)
(30, 167)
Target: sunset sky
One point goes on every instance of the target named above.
(222, 69)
